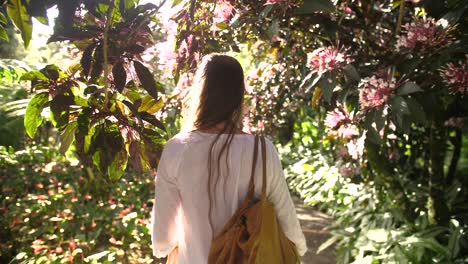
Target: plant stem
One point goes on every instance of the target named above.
(437, 183)
(400, 17)
(110, 11)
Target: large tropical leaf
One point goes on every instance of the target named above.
(33, 118)
(22, 20)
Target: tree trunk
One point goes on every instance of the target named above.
(437, 186)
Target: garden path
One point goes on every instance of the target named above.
(313, 224)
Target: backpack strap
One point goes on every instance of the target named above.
(264, 157)
(250, 193)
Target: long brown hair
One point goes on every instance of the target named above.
(216, 97)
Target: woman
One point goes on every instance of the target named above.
(204, 172)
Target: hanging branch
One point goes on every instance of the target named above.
(110, 10)
(457, 145)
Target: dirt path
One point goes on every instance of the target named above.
(313, 224)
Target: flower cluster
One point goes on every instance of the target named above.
(356, 147)
(341, 121)
(347, 170)
(223, 11)
(336, 117)
(456, 76)
(374, 92)
(424, 32)
(327, 59)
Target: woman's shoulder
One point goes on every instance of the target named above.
(184, 137)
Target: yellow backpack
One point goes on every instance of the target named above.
(253, 234)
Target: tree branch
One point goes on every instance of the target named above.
(457, 144)
(110, 10)
(400, 17)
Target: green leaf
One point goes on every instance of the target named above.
(33, 76)
(21, 255)
(139, 158)
(351, 73)
(91, 133)
(97, 63)
(146, 79)
(454, 243)
(327, 84)
(152, 120)
(429, 243)
(22, 20)
(150, 105)
(3, 19)
(312, 6)
(120, 76)
(4, 34)
(118, 165)
(125, 5)
(32, 117)
(266, 10)
(378, 235)
(373, 136)
(327, 243)
(60, 110)
(87, 59)
(67, 137)
(454, 15)
(409, 88)
(53, 72)
(417, 112)
(399, 105)
(175, 2)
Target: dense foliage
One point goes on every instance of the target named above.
(51, 213)
(387, 84)
(106, 103)
(370, 98)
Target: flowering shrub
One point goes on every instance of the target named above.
(326, 59)
(424, 32)
(456, 77)
(385, 119)
(390, 147)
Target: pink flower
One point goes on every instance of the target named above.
(336, 117)
(374, 92)
(347, 170)
(167, 55)
(423, 31)
(356, 147)
(341, 121)
(38, 246)
(223, 11)
(327, 59)
(341, 151)
(348, 131)
(456, 76)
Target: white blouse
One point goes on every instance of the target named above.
(180, 212)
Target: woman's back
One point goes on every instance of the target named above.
(182, 184)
